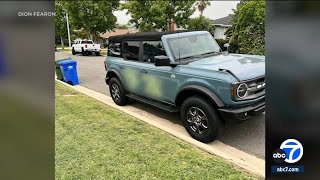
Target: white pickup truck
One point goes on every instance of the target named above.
(86, 47)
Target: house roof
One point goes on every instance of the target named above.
(145, 36)
(224, 21)
(115, 33)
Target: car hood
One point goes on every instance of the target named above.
(243, 66)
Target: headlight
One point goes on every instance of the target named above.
(242, 90)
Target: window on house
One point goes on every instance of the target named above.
(131, 50)
(152, 49)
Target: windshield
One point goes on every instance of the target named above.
(194, 45)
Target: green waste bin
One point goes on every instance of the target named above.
(58, 69)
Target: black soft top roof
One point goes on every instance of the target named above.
(144, 36)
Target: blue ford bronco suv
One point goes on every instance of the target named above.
(186, 72)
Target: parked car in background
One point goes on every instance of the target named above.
(86, 47)
(186, 72)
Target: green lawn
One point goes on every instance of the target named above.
(95, 141)
(64, 50)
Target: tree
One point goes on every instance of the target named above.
(158, 15)
(60, 22)
(93, 17)
(121, 26)
(248, 27)
(201, 23)
(202, 5)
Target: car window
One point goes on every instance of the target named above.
(131, 50)
(86, 42)
(114, 49)
(193, 45)
(152, 49)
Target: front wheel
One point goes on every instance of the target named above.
(117, 92)
(201, 119)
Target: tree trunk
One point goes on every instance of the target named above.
(169, 22)
(62, 45)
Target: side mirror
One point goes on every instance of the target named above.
(226, 46)
(162, 61)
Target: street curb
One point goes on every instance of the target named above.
(242, 159)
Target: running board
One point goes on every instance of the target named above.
(157, 104)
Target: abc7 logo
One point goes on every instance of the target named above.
(290, 151)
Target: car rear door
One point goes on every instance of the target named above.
(131, 67)
(77, 46)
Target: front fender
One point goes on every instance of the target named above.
(202, 90)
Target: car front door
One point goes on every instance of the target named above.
(159, 83)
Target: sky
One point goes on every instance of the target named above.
(217, 9)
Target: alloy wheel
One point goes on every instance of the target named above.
(115, 92)
(197, 120)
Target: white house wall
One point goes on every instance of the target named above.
(219, 32)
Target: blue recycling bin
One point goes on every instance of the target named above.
(69, 71)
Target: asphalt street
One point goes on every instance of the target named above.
(248, 136)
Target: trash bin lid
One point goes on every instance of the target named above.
(67, 62)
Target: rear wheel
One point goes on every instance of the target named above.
(117, 92)
(73, 51)
(201, 119)
(97, 53)
(83, 52)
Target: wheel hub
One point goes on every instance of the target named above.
(115, 92)
(197, 120)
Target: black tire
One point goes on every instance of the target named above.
(202, 129)
(83, 52)
(97, 53)
(89, 53)
(120, 97)
(73, 52)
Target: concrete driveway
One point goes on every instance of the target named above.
(248, 136)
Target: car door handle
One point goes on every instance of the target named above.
(144, 71)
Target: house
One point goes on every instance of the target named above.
(221, 25)
(115, 33)
(104, 36)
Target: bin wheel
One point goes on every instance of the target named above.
(70, 82)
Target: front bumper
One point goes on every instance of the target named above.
(243, 113)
